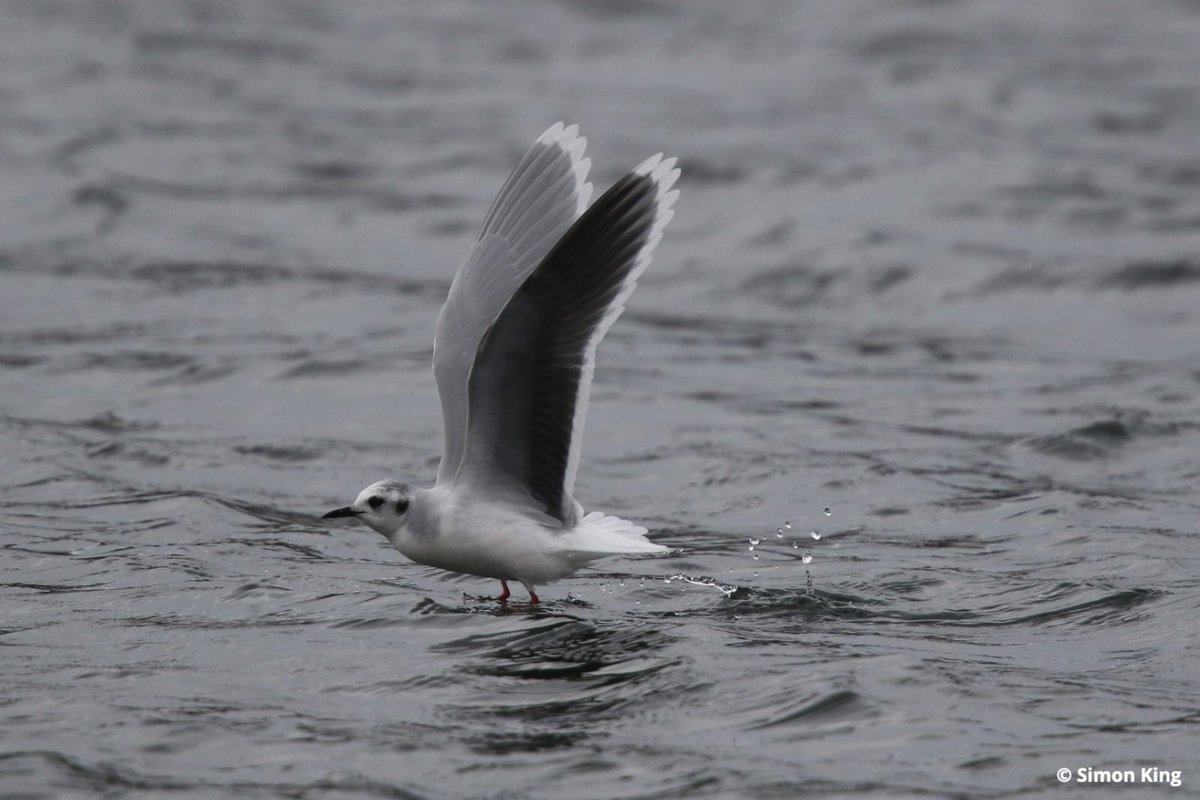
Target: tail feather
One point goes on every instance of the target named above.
(602, 533)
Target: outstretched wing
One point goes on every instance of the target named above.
(529, 385)
(543, 196)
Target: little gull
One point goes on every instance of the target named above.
(513, 356)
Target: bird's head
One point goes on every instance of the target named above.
(382, 506)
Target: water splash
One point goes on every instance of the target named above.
(728, 589)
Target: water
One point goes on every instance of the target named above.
(934, 268)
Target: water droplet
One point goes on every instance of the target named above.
(750, 548)
(754, 541)
(815, 534)
(828, 511)
(755, 556)
(779, 533)
(795, 545)
(666, 580)
(806, 558)
(787, 524)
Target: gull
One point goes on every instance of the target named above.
(513, 356)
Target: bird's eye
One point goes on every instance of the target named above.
(401, 506)
(375, 502)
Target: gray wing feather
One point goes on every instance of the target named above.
(542, 197)
(529, 387)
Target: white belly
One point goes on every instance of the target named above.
(486, 539)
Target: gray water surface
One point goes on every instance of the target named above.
(935, 267)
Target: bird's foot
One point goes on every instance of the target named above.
(505, 594)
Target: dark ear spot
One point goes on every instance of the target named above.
(375, 502)
(401, 506)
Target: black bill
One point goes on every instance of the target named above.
(347, 511)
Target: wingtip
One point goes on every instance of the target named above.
(575, 147)
(648, 166)
(569, 141)
(564, 135)
(553, 133)
(662, 171)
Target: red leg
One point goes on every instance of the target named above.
(504, 594)
(533, 598)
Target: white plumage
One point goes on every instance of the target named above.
(514, 354)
